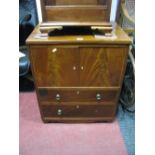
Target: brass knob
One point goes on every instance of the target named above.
(98, 96)
(82, 67)
(78, 92)
(58, 97)
(59, 112)
(74, 68)
(77, 106)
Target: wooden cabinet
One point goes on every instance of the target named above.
(78, 66)
(78, 81)
(78, 76)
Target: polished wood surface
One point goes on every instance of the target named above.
(77, 119)
(46, 27)
(78, 78)
(101, 67)
(57, 66)
(84, 23)
(119, 38)
(74, 10)
(77, 13)
(53, 67)
(75, 2)
(76, 111)
(72, 96)
(78, 66)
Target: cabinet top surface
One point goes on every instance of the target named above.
(118, 37)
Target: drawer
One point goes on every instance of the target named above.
(78, 111)
(77, 95)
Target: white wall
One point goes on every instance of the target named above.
(112, 17)
(113, 10)
(39, 10)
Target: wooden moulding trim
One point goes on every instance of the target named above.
(80, 43)
(57, 23)
(81, 46)
(45, 45)
(91, 119)
(82, 88)
(48, 103)
(77, 6)
(76, 13)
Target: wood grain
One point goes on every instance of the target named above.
(69, 95)
(76, 13)
(76, 2)
(77, 119)
(101, 66)
(82, 111)
(121, 39)
(84, 23)
(55, 68)
(71, 70)
(75, 10)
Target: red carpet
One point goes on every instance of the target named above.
(37, 138)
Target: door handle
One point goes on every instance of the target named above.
(82, 67)
(74, 68)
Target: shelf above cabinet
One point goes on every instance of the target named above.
(75, 10)
(75, 2)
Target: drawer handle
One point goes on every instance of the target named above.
(82, 67)
(98, 96)
(59, 112)
(58, 97)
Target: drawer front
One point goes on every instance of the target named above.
(77, 95)
(78, 111)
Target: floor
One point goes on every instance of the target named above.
(127, 126)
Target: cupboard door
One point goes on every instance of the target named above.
(55, 66)
(102, 66)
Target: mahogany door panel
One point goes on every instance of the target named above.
(101, 67)
(55, 66)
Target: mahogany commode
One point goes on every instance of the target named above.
(78, 78)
